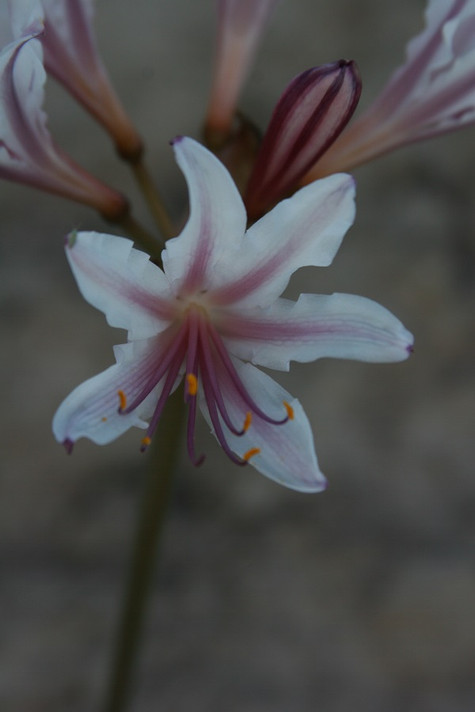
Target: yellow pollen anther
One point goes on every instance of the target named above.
(104, 419)
(290, 410)
(192, 382)
(250, 453)
(247, 421)
(145, 442)
(122, 400)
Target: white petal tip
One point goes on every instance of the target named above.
(311, 487)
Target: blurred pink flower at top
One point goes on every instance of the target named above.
(431, 94)
(71, 57)
(240, 26)
(27, 152)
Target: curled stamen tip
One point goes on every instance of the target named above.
(68, 445)
(250, 453)
(122, 401)
(192, 383)
(145, 442)
(199, 461)
(247, 422)
(289, 409)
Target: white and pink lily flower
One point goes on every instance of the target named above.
(27, 152)
(431, 94)
(72, 58)
(214, 313)
(240, 26)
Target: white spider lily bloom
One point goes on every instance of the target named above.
(27, 152)
(72, 58)
(431, 94)
(215, 313)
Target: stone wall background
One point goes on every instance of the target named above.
(361, 598)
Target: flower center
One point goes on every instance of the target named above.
(197, 351)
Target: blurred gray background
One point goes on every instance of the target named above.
(361, 598)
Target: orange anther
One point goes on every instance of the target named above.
(250, 453)
(122, 400)
(145, 442)
(290, 410)
(247, 421)
(192, 383)
(104, 419)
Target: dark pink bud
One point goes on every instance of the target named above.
(311, 113)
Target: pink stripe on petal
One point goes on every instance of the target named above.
(317, 326)
(216, 223)
(304, 230)
(121, 281)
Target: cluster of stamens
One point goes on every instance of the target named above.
(198, 347)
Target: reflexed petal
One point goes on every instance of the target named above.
(287, 452)
(92, 409)
(317, 326)
(306, 229)
(309, 116)
(240, 25)
(216, 223)
(432, 93)
(121, 281)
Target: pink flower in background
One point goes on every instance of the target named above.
(432, 93)
(241, 23)
(215, 313)
(309, 116)
(27, 152)
(71, 57)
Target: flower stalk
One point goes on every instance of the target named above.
(153, 198)
(155, 499)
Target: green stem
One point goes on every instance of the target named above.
(140, 235)
(149, 527)
(153, 198)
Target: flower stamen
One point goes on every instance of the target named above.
(250, 453)
(289, 409)
(192, 383)
(144, 443)
(122, 401)
(247, 421)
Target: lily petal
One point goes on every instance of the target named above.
(286, 452)
(317, 326)
(92, 409)
(306, 229)
(114, 277)
(309, 116)
(216, 224)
